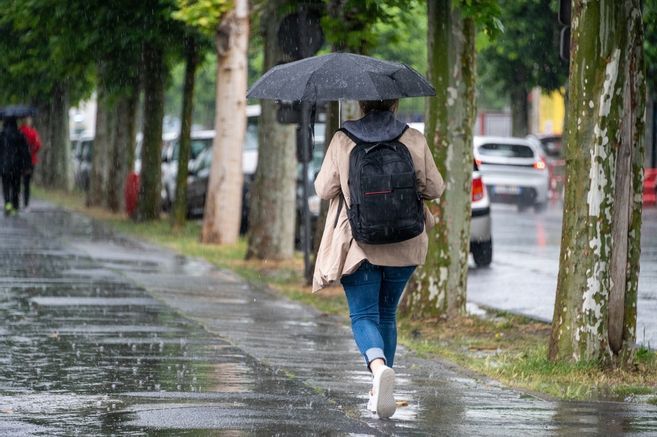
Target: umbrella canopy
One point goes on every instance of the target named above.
(17, 111)
(340, 76)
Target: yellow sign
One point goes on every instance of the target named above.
(551, 110)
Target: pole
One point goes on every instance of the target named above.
(305, 125)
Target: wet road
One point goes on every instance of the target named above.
(103, 335)
(86, 351)
(523, 276)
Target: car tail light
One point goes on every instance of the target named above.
(477, 189)
(478, 161)
(540, 164)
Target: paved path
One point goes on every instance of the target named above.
(523, 276)
(106, 335)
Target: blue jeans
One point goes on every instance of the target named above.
(373, 293)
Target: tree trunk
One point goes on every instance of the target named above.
(55, 171)
(42, 125)
(149, 189)
(179, 211)
(595, 308)
(121, 150)
(132, 107)
(439, 287)
(272, 200)
(106, 110)
(223, 205)
(519, 112)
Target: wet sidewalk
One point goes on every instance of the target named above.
(102, 335)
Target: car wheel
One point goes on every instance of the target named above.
(482, 252)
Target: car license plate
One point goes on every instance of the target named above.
(506, 189)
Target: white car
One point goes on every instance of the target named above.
(481, 239)
(514, 171)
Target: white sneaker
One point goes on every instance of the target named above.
(383, 399)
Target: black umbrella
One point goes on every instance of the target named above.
(335, 76)
(340, 76)
(17, 111)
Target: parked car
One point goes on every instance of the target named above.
(550, 145)
(199, 165)
(514, 170)
(199, 168)
(554, 157)
(199, 142)
(82, 155)
(481, 238)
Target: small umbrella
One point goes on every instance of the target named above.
(17, 111)
(340, 76)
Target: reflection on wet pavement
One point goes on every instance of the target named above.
(523, 275)
(121, 357)
(86, 351)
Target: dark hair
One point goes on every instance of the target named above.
(367, 106)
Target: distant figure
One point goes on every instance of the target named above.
(34, 143)
(14, 160)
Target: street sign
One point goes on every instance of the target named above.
(300, 34)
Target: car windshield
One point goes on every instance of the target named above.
(198, 145)
(506, 150)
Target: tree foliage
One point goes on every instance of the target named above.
(350, 24)
(526, 53)
(42, 50)
(202, 14)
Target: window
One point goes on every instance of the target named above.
(506, 151)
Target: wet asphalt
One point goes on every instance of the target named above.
(103, 335)
(523, 275)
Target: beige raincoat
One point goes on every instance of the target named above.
(339, 254)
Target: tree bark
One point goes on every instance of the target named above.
(595, 308)
(121, 156)
(272, 201)
(131, 124)
(106, 110)
(42, 125)
(519, 112)
(439, 287)
(223, 205)
(149, 189)
(55, 169)
(179, 211)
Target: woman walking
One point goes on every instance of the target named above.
(376, 174)
(14, 160)
(34, 143)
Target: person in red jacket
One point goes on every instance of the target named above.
(34, 143)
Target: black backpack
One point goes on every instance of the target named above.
(386, 206)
